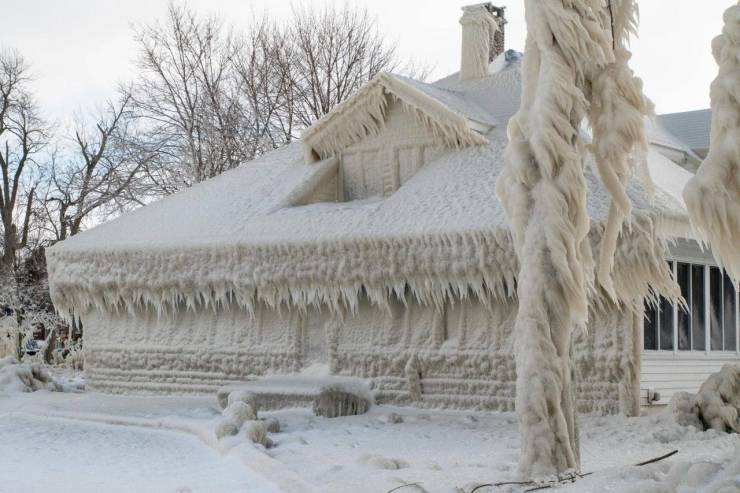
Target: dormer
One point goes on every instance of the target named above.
(388, 130)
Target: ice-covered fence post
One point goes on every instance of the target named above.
(713, 195)
(575, 65)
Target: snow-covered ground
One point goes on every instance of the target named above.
(86, 442)
(41, 454)
(455, 452)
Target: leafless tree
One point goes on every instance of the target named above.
(99, 170)
(210, 100)
(183, 98)
(293, 74)
(23, 134)
(265, 73)
(335, 51)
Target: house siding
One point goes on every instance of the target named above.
(669, 371)
(458, 357)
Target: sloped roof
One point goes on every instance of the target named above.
(658, 135)
(239, 236)
(447, 114)
(691, 127)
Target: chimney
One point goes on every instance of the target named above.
(482, 38)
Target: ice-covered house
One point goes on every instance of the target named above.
(377, 248)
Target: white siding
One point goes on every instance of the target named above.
(666, 373)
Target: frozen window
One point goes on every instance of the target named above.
(712, 305)
(730, 308)
(683, 277)
(698, 320)
(715, 309)
(650, 327)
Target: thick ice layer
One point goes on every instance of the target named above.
(458, 357)
(234, 238)
(713, 195)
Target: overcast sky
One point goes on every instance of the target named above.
(81, 49)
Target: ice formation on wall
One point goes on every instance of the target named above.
(575, 65)
(713, 195)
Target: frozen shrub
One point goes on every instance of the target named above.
(239, 412)
(684, 410)
(333, 402)
(223, 397)
(718, 400)
(256, 431)
(273, 425)
(25, 377)
(243, 396)
(226, 427)
(717, 404)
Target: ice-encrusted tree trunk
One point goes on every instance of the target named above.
(713, 195)
(575, 66)
(22, 136)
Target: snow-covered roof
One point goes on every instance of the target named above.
(448, 114)
(244, 236)
(691, 127)
(659, 136)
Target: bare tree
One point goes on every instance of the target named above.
(265, 71)
(22, 135)
(335, 51)
(99, 170)
(183, 98)
(209, 100)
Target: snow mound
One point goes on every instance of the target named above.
(716, 406)
(18, 377)
(328, 396)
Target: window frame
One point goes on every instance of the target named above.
(707, 351)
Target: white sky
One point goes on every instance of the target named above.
(81, 49)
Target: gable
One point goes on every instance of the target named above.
(378, 165)
(390, 129)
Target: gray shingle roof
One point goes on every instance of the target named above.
(692, 127)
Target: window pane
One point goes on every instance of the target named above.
(666, 324)
(730, 303)
(715, 308)
(683, 276)
(697, 307)
(650, 327)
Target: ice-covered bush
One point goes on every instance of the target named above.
(335, 402)
(240, 411)
(25, 377)
(717, 404)
(256, 432)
